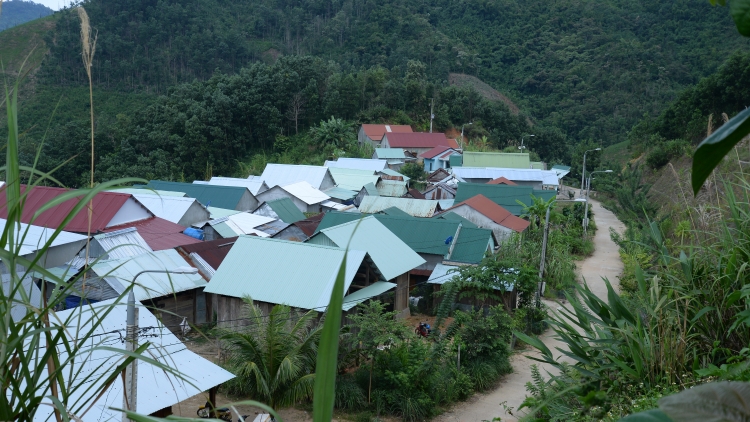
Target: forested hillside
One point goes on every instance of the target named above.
(16, 12)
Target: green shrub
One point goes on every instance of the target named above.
(662, 153)
(349, 395)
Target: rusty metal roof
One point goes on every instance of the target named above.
(440, 149)
(494, 212)
(309, 225)
(105, 206)
(502, 181)
(376, 132)
(158, 233)
(212, 251)
(418, 140)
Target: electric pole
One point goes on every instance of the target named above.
(130, 395)
(432, 112)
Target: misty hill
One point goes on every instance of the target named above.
(16, 12)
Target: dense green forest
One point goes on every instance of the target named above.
(16, 12)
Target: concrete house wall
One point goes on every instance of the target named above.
(248, 202)
(195, 214)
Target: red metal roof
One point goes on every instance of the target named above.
(309, 225)
(494, 212)
(435, 151)
(212, 251)
(104, 207)
(419, 140)
(502, 181)
(376, 132)
(160, 234)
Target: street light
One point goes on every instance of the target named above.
(540, 287)
(522, 147)
(583, 173)
(131, 341)
(462, 133)
(586, 212)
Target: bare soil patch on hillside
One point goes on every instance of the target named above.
(488, 92)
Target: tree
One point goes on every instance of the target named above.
(334, 133)
(274, 357)
(296, 110)
(536, 212)
(413, 170)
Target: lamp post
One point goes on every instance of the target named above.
(462, 133)
(523, 147)
(540, 287)
(586, 212)
(131, 342)
(583, 173)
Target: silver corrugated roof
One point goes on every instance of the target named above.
(358, 163)
(353, 179)
(252, 183)
(392, 188)
(547, 177)
(157, 389)
(170, 208)
(386, 153)
(280, 272)
(34, 237)
(413, 207)
(286, 174)
(306, 193)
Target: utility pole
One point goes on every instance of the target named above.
(583, 173)
(432, 112)
(130, 396)
(540, 288)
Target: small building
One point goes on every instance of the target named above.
(391, 188)
(158, 389)
(503, 195)
(413, 207)
(207, 257)
(300, 230)
(341, 195)
(438, 175)
(393, 258)
(184, 211)
(374, 133)
(358, 164)
(388, 174)
(511, 160)
(353, 179)
(282, 209)
(489, 215)
(272, 228)
(158, 233)
(305, 197)
(33, 238)
(507, 291)
(439, 191)
(501, 181)
(286, 174)
(438, 158)
(229, 197)
(235, 225)
(367, 190)
(561, 170)
(394, 157)
(300, 275)
(255, 184)
(413, 193)
(108, 209)
(417, 143)
(537, 179)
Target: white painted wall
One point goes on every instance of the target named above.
(130, 211)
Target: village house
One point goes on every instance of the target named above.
(413, 207)
(417, 143)
(283, 209)
(374, 133)
(503, 195)
(367, 190)
(253, 183)
(357, 164)
(305, 197)
(511, 160)
(184, 211)
(158, 233)
(537, 179)
(394, 157)
(439, 191)
(32, 238)
(488, 215)
(438, 158)
(353, 179)
(286, 174)
(228, 197)
(391, 188)
(235, 225)
(300, 231)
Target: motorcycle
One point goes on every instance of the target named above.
(423, 329)
(224, 413)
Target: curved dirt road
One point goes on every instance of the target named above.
(605, 262)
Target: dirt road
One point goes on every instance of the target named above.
(605, 262)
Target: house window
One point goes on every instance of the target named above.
(448, 164)
(430, 166)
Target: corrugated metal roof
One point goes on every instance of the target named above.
(31, 295)
(105, 206)
(205, 269)
(273, 227)
(142, 191)
(170, 208)
(418, 140)
(503, 195)
(392, 188)
(302, 277)
(306, 193)
(471, 245)
(371, 189)
(340, 193)
(415, 207)
(240, 223)
(353, 179)
(438, 175)
(224, 229)
(254, 184)
(286, 210)
(547, 177)
(157, 389)
(220, 212)
(394, 173)
(376, 132)
(537, 165)
(34, 237)
(361, 295)
(336, 206)
(561, 170)
(123, 243)
(149, 285)
(159, 233)
(395, 211)
(453, 216)
(390, 153)
(423, 235)
(434, 152)
(212, 251)
(309, 225)
(390, 254)
(209, 195)
(517, 160)
(286, 174)
(494, 212)
(357, 163)
(501, 181)
(446, 203)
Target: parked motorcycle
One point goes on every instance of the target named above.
(423, 329)
(224, 413)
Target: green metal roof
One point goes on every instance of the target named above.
(224, 230)
(416, 207)
(471, 245)
(538, 165)
(371, 189)
(286, 210)
(281, 272)
(391, 188)
(211, 195)
(340, 193)
(396, 174)
(352, 179)
(361, 295)
(503, 195)
(389, 253)
(389, 153)
(423, 235)
(512, 160)
(395, 211)
(456, 160)
(455, 217)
